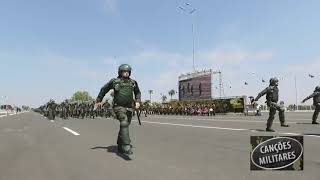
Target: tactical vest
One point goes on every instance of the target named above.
(123, 92)
(273, 94)
(316, 99)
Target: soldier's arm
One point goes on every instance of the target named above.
(311, 96)
(137, 92)
(105, 89)
(262, 93)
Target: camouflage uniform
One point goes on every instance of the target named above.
(316, 102)
(51, 110)
(124, 88)
(272, 96)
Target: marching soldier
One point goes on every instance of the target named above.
(124, 87)
(51, 108)
(272, 96)
(316, 102)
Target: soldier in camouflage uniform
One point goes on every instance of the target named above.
(316, 102)
(91, 109)
(124, 87)
(51, 109)
(272, 96)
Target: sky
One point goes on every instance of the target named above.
(50, 49)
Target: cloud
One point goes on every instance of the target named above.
(169, 65)
(306, 67)
(222, 56)
(156, 55)
(111, 6)
(71, 66)
(109, 60)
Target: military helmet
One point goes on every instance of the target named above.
(317, 88)
(273, 81)
(124, 67)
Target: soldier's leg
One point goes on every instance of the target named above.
(272, 112)
(123, 135)
(315, 115)
(281, 115)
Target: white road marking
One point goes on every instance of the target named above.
(11, 114)
(189, 125)
(71, 131)
(294, 134)
(222, 128)
(227, 119)
(312, 135)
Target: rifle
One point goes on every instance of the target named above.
(138, 111)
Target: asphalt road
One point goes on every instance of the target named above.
(165, 147)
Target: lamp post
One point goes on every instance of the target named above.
(295, 84)
(188, 8)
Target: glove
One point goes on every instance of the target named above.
(97, 105)
(137, 105)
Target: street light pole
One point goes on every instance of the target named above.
(295, 83)
(115, 65)
(191, 11)
(193, 42)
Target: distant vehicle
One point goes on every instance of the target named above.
(6, 107)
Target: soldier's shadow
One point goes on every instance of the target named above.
(258, 130)
(113, 149)
(303, 123)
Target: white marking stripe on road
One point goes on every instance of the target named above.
(189, 125)
(222, 128)
(11, 114)
(71, 131)
(312, 135)
(228, 120)
(295, 134)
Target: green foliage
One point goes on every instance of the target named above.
(164, 98)
(81, 96)
(171, 93)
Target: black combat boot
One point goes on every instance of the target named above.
(284, 125)
(123, 151)
(315, 122)
(270, 130)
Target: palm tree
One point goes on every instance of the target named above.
(171, 93)
(150, 92)
(164, 98)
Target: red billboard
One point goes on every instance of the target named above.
(195, 86)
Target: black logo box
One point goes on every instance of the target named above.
(263, 154)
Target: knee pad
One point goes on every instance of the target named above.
(124, 123)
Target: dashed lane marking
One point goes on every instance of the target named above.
(71, 131)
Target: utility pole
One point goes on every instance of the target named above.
(188, 8)
(295, 83)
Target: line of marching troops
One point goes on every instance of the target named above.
(185, 109)
(66, 109)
